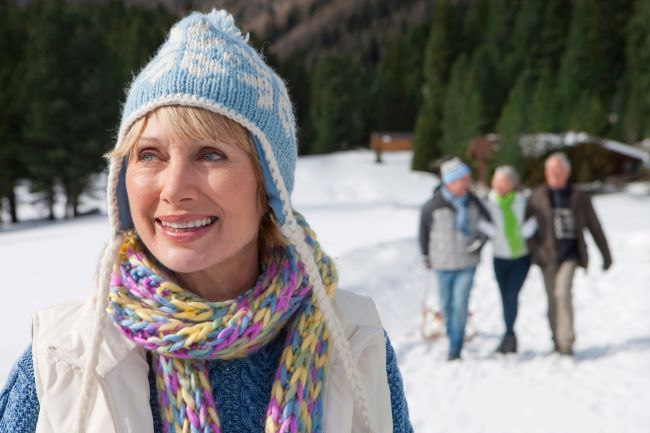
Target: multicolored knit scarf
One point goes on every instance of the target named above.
(185, 331)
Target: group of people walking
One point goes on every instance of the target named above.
(545, 227)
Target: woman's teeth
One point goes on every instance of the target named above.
(189, 224)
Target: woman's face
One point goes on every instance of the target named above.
(193, 202)
(501, 184)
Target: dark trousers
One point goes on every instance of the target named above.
(511, 274)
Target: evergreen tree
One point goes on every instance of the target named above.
(337, 110)
(135, 32)
(636, 122)
(492, 71)
(514, 121)
(95, 105)
(543, 110)
(490, 85)
(554, 34)
(526, 39)
(441, 52)
(116, 23)
(474, 25)
(462, 116)
(397, 83)
(592, 66)
(12, 36)
(387, 102)
(49, 84)
(79, 58)
(527, 56)
(544, 105)
(588, 114)
(298, 86)
(74, 96)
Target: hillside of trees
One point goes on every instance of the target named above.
(63, 69)
(447, 70)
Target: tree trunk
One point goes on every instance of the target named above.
(49, 199)
(73, 203)
(68, 213)
(13, 211)
(71, 200)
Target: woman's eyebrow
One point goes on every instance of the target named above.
(218, 142)
(149, 139)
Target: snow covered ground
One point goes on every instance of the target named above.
(366, 216)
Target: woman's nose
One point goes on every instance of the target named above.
(178, 182)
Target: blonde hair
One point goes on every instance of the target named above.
(193, 123)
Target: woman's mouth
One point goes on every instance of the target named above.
(187, 230)
(188, 225)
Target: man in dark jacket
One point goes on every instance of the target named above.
(450, 243)
(558, 247)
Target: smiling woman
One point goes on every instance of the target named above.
(216, 309)
(197, 199)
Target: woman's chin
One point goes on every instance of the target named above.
(183, 263)
(186, 257)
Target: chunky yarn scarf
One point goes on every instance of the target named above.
(511, 228)
(184, 331)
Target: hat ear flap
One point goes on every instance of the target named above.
(123, 209)
(272, 191)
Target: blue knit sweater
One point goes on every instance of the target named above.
(242, 394)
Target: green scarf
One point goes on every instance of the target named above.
(510, 224)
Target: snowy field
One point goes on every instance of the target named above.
(366, 216)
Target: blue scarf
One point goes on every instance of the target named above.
(459, 204)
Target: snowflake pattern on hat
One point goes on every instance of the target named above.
(206, 62)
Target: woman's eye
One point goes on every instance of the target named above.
(211, 155)
(147, 156)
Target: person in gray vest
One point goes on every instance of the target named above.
(563, 212)
(450, 242)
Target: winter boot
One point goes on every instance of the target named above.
(508, 345)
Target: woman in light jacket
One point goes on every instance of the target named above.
(217, 310)
(508, 232)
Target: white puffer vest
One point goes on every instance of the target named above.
(61, 338)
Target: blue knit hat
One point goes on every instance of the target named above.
(206, 62)
(453, 170)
